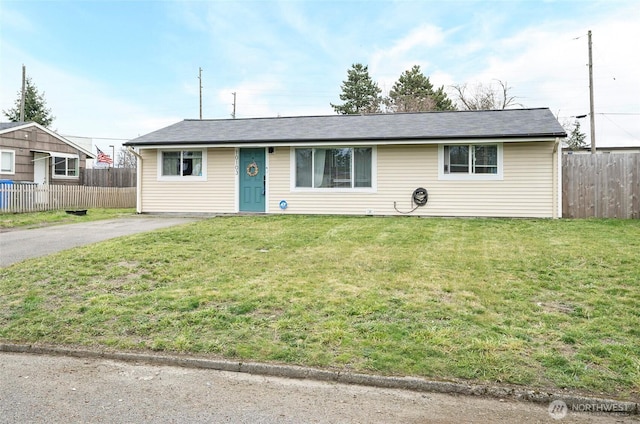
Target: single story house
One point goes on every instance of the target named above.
(31, 153)
(496, 163)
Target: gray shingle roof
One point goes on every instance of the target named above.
(7, 125)
(527, 123)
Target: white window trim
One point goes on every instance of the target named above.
(12, 171)
(183, 178)
(470, 176)
(64, 156)
(374, 172)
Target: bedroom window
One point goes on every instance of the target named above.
(334, 168)
(7, 162)
(180, 164)
(470, 161)
(65, 167)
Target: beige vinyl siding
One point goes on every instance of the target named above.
(527, 189)
(215, 195)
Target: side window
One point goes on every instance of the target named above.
(470, 161)
(179, 164)
(7, 162)
(65, 167)
(485, 159)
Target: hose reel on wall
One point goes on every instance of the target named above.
(420, 197)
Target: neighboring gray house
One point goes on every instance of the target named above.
(30, 152)
(471, 163)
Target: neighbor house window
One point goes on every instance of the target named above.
(182, 164)
(65, 166)
(7, 162)
(465, 161)
(334, 168)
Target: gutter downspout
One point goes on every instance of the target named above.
(138, 179)
(557, 177)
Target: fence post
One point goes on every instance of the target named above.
(27, 197)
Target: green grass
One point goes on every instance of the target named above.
(38, 219)
(548, 304)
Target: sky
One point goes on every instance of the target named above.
(115, 70)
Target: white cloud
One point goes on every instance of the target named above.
(386, 64)
(422, 36)
(252, 97)
(290, 58)
(15, 20)
(547, 66)
(81, 107)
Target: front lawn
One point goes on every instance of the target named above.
(542, 303)
(39, 219)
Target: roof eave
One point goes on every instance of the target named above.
(51, 133)
(377, 140)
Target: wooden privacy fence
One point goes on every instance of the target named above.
(108, 177)
(21, 197)
(601, 185)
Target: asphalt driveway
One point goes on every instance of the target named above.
(18, 245)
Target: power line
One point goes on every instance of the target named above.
(627, 132)
(620, 114)
(96, 138)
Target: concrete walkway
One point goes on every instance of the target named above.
(18, 245)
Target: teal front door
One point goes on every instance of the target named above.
(253, 184)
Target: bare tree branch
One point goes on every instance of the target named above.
(485, 97)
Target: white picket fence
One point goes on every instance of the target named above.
(27, 197)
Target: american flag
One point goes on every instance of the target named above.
(103, 157)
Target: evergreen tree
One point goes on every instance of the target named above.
(577, 138)
(359, 93)
(35, 107)
(413, 92)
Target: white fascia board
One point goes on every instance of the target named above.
(56, 154)
(174, 146)
(347, 142)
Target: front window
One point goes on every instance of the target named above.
(182, 163)
(65, 166)
(456, 159)
(7, 162)
(482, 161)
(485, 159)
(334, 168)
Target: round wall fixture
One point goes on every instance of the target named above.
(283, 204)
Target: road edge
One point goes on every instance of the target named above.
(573, 402)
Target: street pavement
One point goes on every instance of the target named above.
(18, 245)
(59, 389)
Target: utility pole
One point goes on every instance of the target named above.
(200, 78)
(233, 115)
(113, 151)
(591, 108)
(24, 94)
